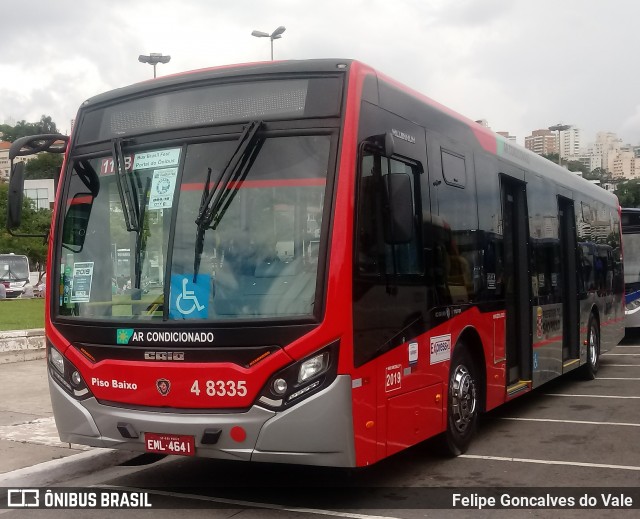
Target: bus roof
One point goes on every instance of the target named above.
(482, 136)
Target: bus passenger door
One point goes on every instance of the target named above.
(516, 282)
(568, 245)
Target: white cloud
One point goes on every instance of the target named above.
(519, 64)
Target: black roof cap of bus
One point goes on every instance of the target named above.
(241, 69)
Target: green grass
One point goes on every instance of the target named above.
(21, 314)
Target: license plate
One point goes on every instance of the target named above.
(177, 444)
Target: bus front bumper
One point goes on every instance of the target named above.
(317, 431)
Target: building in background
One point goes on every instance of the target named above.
(570, 143)
(5, 164)
(41, 192)
(4, 161)
(542, 142)
(508, 136)
(590, 160)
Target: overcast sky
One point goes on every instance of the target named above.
(520, 64)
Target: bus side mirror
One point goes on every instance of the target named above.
(16, 193)
(399, 218)
(76, 221)
(389, 145)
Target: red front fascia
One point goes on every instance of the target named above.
(177, 384)
(336, 325)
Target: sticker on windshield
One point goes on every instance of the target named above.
(189, 300)
(157, 159)
(81, 286)
(162, 187)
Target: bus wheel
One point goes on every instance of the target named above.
(590, 369)
(463, 405)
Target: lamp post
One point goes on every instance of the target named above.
(153, 59)
(559, 128)
(273, 36)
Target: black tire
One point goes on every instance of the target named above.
(590, 369)
(463, 402)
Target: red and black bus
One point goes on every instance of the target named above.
(325, 267)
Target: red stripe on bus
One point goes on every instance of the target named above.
(81, 200)
(294, 182)
(550, 340)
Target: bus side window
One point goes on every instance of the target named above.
(367, 240)
(372, 250)
(455, 237)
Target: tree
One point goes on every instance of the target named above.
(46, 125)
(576, 165)
(23, 128)
(571, 165)
(44, 165)
(34, 221)
(553, 157)
(628, 193)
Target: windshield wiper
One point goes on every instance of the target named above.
(214, 200)
(9, 276)
(141, 248)
(214, 203)
(130, 206)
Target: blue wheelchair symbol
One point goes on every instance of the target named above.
(189, 300)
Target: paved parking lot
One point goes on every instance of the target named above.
(569, 433)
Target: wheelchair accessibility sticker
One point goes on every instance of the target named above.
(189, 300)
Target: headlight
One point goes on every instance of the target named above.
(57, 360)
(66, 374)
(301, 379)
(312, 367)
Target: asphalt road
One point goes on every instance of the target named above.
(569, 433)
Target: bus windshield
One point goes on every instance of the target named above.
(130, 248)
(14, 268)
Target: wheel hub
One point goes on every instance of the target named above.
(463, 399)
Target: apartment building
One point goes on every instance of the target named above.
(5, 164)
(542, 142)
(4, 161)
(625, 165)
(508, 136)
(570, 143)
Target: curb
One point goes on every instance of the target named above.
(22, 345)
(71, 467)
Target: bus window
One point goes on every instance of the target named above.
(399, 259)
(456, 260)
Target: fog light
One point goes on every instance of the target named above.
(279, 386)
(76, 379)
(57, 360)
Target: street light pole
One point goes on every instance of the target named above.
(153, 59)
(277, 34)
(559, 128)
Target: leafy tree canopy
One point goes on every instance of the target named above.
(44, 165)
(23, 128)
(629, 193)
(572, 165)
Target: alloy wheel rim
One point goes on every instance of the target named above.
(593, 347)
(463, 401)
